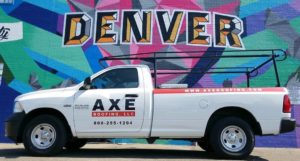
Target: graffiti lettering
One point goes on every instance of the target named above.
(77, 29)
(139, 23)
(137, 27)
(169, 28)
(4, 33)
(105, 26)
(196, 34)
(227, 31)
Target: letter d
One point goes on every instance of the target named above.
(77, 27)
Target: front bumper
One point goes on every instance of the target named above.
(13, 126)
(287, 125)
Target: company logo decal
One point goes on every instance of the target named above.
(114, 110)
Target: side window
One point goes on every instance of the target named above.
(117, 78)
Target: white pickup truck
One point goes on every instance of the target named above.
(121, 102)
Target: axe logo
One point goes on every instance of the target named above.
(114, 110)
(129, 105)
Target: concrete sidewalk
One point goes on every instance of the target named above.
(127, 152)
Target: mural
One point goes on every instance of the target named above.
(1, 71)
(57, 43)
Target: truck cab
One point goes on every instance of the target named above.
(117, 101)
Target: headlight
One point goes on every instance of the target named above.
(18, 107)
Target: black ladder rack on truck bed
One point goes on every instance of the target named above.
(270, 55)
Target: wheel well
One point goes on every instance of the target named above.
(237, 112)
(40, 111)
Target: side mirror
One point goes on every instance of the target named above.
(87, 81)
(86, 84)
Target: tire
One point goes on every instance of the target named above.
(204, 144)
(75, 144)
(44, 135)
(232, 137)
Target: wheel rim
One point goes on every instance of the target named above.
(43, 136)
(233, 138)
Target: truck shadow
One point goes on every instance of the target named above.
(116, 154)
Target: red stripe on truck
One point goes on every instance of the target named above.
(216, 90)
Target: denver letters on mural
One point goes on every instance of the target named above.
(137, 26)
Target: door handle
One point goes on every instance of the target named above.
(131, 95)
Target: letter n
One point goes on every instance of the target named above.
(138, 25)
(77, 29)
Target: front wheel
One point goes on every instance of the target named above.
(232, 137)
(44, 135)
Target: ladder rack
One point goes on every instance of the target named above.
(270, 55)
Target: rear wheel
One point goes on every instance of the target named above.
(44, 135)
(232, 137)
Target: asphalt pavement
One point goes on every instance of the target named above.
(138, 152)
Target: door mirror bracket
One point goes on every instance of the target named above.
(86, 84)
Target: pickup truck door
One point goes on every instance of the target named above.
(114, 104)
